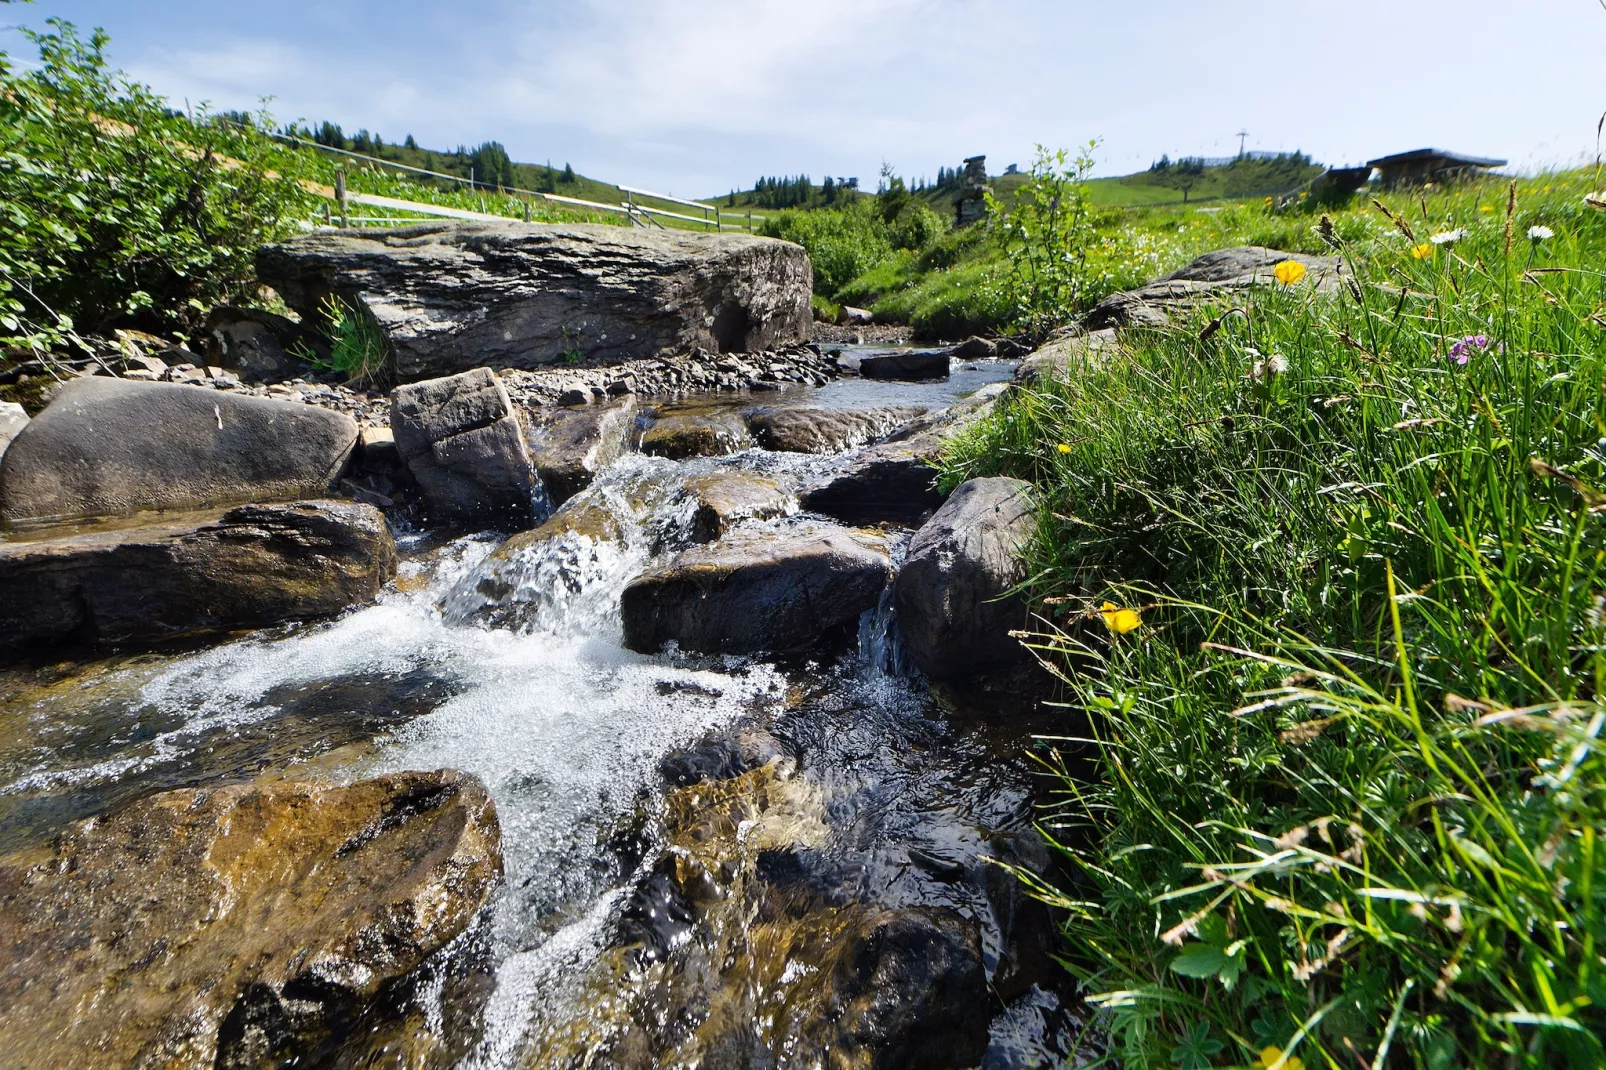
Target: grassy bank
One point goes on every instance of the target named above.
(1328, 588)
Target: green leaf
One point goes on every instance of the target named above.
(1199, 960)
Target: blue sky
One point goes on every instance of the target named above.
(696, 96)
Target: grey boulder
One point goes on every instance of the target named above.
(453, 296)
(1215, 275)
(1061, 356)
(949, 595)
(13, 418)
(107, 446)
(247, 567)
(260, 346)
(464, 443)
(756, 590)
(817, 430)
(911, 365)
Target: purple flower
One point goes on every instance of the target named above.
(1462, 351)
(1459, 353)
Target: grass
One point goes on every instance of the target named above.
(1350, 773)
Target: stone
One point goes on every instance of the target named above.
(696, 433)
(377, 449)
(234, 926)
(756, 590)
(571, 447)
(575, 395)
(1056, 359)
(152, 582)
(908, 365)
(261, 346)
(895, 481)
(462, 439)
(948, 595)
(13, 418)
(974, 348)
(849, 314)
(817, 430)
(453, 296)
(625, 384)
(725, 499)
(1213, 276)
(108, 446)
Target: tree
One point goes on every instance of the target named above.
(410, 143)
(492, 166)
(732, 202)
(331, 135)
(568, 174)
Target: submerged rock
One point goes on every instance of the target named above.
(572, 446)
(725, 499)
(138, 586)
(109, 446)
(911, 365)
(463, 442)
(233, 926)
(1213, 275)
(756, 590)
(696, 433)
(816, 430)
(453, 296)
(948, 595)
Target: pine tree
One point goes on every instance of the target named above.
(568, 174)
(410, 143)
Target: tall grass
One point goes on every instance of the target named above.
(1351, 778)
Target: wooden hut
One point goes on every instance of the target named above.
(1430, 165)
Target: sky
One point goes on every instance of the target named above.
(695, 97)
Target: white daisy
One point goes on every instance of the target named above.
(1449, 237)
(1540, 233)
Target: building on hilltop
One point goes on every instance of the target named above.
(971, 203)
(1429, 165)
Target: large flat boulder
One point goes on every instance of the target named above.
(570, 446)
(453, 296)
(817, 430)
(949, 595)
(912, 365)
(1213, 276)
(756, 590)
(463, 441)
(108, 446)
(232, 926)
(139, 586)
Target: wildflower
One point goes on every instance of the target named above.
(1277, 365)
(1423, 251)
(1270, 1056)
(1118, 619)
(1064, 447)
(1463, 350)
(1288, 272)
(1449, 237)
(1538, 234)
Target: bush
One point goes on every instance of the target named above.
(916, 226)
(1046, 236)
(842, 242)
(119, 210)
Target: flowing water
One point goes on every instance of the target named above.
(806, 792)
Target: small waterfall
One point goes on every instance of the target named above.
(880, 644)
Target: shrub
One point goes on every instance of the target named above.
(119, 210)
(916, 226)
(1046, 235)
(842, 242)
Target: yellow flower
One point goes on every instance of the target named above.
(1270, 1055)
(1485, 207)
(1064, 447)
(1119, 620)
(1423, 251)
(1288, 272)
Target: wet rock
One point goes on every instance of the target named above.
(1212, 276)
(725, 499)
(139, 586)
(815, 430)
(376, 450)
(895, 481)
(453, 296)
(13, 418)
(464, 443)
(107, 446)
(230, 926)
(911, 365)
(911, 990)
(974, 348)
(570, 448)
(756, 590)
(947, 595)
(259, 345)
(699, 433)
(1059, 358)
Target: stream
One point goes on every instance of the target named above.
(805, 794)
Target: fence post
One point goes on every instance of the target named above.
(340, 196)
(749, 221)
(526, 209)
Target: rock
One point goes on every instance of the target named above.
(912, 365)
(697, 433)
(895, 481)
(815, 430)
(464, 443)
(139, 586)
(1056, 359)
(625, 384)
(964, 558)
(453, 296)
(571, 447)
(376, 450)
(107, 446)
(13, 418)
(974, 348)
(725, 499)
(908, 985)
(259, 345)
(849, 314)
(756, 590)
(234, 926)
(1213, 275)
(575, 395)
